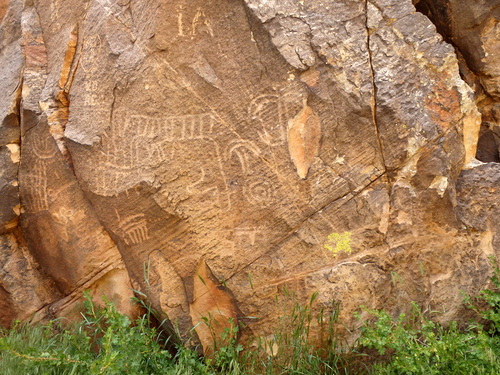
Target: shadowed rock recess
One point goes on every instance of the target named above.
(170, 146)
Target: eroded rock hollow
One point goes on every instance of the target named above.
(322, 145)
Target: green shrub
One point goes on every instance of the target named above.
(106, 342)
(417, 345)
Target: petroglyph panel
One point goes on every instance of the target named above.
(34, 181)
(135, 147)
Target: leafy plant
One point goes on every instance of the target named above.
(417, 345)
(106, 342)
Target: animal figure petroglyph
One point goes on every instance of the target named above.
(271, 112)
(181, 150)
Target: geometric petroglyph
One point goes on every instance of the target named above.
(36, 198)
(251, 239)
(135, 229)
(91, 88)
(247, 235)
(43, 147)
(35, 181)
(259, 191)
(172, 128)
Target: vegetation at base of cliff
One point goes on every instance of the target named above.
(107, 342)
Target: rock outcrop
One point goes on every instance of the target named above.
(167, 146)
(473, 28)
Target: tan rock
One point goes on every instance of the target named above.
(318, 146)
(304, 135)
(213, 310)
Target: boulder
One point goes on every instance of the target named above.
(209, 155)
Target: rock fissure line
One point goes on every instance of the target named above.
(374, 88)
(305, 273)
(75, 294)
(298, 226)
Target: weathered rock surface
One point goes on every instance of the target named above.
(159, 143)
(474, 30)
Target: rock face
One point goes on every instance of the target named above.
(474, 30)
(320, 145)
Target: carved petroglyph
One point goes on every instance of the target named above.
(54, 193)
(135, 229)
(244, 238)
(180, 23)
(67, 218)
(91, 50)
(90, 55)
(259, 191)
(35, 181)
(135, 147)
(143, 141)
(272, 111)
(199, 24)
(247, 235)
(199, 187)
(244, 151)
(43, 147)
(91, 99)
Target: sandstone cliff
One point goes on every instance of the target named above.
(325, 145)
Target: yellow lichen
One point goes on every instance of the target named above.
(339, 243)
